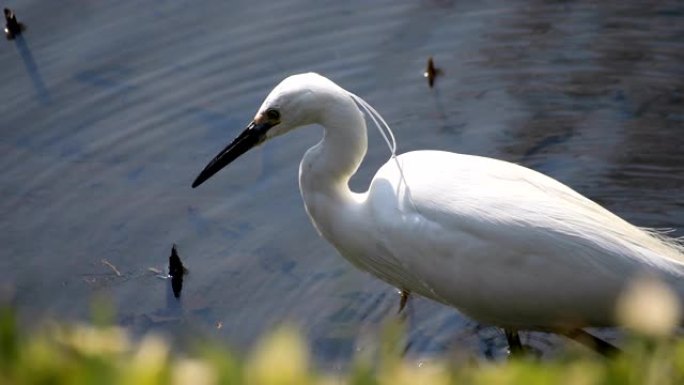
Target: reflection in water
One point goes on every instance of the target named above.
(32, 69)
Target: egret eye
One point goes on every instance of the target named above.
(272, 114)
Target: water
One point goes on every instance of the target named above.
(110, 109)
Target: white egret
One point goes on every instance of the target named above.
(504, 244)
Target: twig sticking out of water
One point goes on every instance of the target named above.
(176, 271)
(12, 26)
(431, 72)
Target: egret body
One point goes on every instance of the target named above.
(502, 243)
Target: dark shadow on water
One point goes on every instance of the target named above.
(32, 69)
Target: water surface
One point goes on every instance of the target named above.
(111, 108)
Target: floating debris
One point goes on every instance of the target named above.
(12, 26)
(111, 266)
(431, 72)
(176, 272)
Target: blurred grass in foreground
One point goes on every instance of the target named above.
(105, 355)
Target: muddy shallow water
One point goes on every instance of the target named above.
(110, 109)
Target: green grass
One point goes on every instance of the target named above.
(103, 355)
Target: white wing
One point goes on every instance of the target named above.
(478, 232)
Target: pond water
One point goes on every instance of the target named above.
(111, 108)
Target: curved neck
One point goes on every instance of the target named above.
(328, 166)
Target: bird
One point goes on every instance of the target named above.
(503, 244)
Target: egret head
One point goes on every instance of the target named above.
(296, 101)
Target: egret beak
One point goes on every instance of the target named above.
(253, 135)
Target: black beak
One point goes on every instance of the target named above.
(253, 135)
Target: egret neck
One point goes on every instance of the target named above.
(326, 168)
